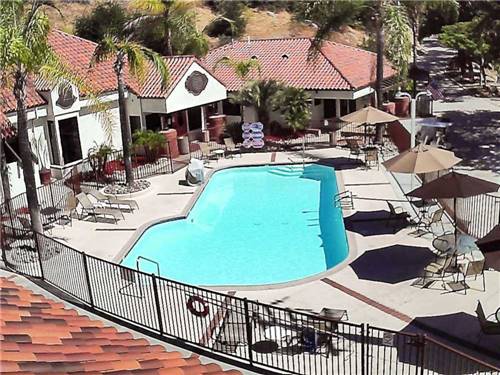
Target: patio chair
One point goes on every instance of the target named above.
(473, 268)
(206, 153)
(89, 209)
(442, 245)
(231, 147)
(112, 201)
(354, 148)
(68, 209)
(439, 269)
(427, 223)
(488, 327)
(396, 213)
(371, 158)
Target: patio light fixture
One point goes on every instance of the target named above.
(413, 110)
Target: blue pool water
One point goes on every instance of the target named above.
(251, 225)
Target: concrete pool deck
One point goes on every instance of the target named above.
(380, 294)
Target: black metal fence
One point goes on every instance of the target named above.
(475, 215)
(257, 334)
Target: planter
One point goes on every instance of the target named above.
(45, 176)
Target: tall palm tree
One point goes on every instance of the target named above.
(24, 52)
(172, 23)
(127, 52)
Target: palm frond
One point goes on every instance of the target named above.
(159, 64)
(106, 48)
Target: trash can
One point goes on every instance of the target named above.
(333, 139)
(183, 143)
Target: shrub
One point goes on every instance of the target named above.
(234, 131)
(152, 143)
(106, 18)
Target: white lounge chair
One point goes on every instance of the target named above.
(89, 209)
(112, 201)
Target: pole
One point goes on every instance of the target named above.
(413, 110)
(248, 324)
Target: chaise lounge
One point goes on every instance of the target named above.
(89, 209)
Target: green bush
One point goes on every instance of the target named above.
(234, 131)
(106, 18)
(152, 142)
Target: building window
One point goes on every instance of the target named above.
(194, 118)
(70, 140)
(135, 123)
(231, 109)
(329, 108)
(12, 150)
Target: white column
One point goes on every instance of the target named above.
(337, 108)
(203, 121)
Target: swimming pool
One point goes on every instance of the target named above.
(251, 226)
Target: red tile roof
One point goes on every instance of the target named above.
(335, 67)
(39, 335)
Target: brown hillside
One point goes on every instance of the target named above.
(260, 24)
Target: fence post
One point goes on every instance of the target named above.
(39, 253)
(248, 324)
(87, 279)
(170, 158)
(157, 303)
(422, 344)
(364, 352)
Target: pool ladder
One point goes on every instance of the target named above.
(149, 260)
(344, 199)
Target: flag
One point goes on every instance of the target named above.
(435, 91)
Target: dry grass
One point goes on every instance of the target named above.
(260, 24)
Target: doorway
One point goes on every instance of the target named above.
(194, 118)
(70, 140)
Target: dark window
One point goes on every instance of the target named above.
(135, 123)
(10, 156)
(194, 118)
(352, 106)
(344, 107)
(231, 109)
(329, 108)
(153, 122)
(70, 140)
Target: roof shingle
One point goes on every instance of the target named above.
(39, 335)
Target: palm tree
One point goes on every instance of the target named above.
(125, 51)
(294, 105)
(258, 94)
(242, 68)
(24, 53)
(169, 27)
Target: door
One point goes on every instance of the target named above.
(194, 118)
(70, 140)
(329, 108)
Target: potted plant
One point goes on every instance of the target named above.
(151, 142)
(42, 156)
(98, 157)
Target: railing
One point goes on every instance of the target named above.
(475, 215)
(264, 336)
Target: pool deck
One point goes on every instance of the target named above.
(380, 294)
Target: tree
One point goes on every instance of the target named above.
(242, 68)
(259, 95)
(230, 22)
(470, 44)
(105, 18)
(24, 53)
(168, 27)
(294, 105)
(125, 51)
(398, 46)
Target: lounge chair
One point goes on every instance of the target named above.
(488, 327)
(436, 218)
(112, 201)
(89, 209)
(231, 147)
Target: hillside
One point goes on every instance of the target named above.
(260, 24)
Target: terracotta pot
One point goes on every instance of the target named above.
(45, 176)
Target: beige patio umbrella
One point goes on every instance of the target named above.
(421, 159)
(369, 116)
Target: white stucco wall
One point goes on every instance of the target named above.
(180, 98)
(92, 131)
